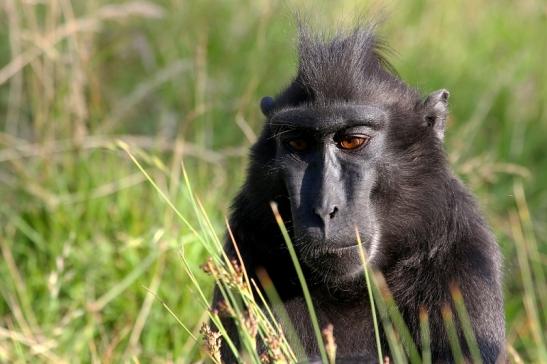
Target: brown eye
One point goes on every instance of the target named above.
(352, 142)
(298, 145)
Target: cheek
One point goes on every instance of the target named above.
(360, 209)
(359, 180)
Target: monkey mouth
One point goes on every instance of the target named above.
(332, 260)
(312, 246)
(325, 252)
(339, 252)
(340, 264)
(343, 248)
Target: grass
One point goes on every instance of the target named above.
(305, 289)
(370, 296)
(92, 256)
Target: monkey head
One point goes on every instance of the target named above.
(351, 144)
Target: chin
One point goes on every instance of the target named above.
(336, 265)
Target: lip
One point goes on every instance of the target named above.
(342, 249)
(311, 248)
(348, 247)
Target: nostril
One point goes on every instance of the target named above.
(322, 212)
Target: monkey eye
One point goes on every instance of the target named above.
(351, 142)
(298, 144)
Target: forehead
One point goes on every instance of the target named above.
(329, 118)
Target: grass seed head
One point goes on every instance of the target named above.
(223, 309)
(251, 323)
(212, 342)
(233, 277)
(274, 353)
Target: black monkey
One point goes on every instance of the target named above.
(349, 145)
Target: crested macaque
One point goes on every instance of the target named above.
(348, 146)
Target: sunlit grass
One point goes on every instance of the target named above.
(303, 283)
(368, 282)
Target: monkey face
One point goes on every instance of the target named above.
(328, 159)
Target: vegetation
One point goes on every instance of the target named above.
(101, 265)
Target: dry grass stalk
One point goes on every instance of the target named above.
(211, 340)
(330, 344)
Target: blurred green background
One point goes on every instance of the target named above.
(84, 237)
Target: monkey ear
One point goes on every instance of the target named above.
(435, 109)
(266, 105)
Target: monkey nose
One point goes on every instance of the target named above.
(326, 213)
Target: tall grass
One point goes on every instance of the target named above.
(98, 267)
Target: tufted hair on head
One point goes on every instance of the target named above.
(347, 67)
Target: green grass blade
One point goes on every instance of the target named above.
(425, 336)
(302, 279)
(405, 338)
(162, 194)
(279, 308)
(533, 251)
(370, 297)
(467, 328)
(530, 298)
(395, 346)
(453, 338)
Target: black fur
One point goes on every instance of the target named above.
(419, 223)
